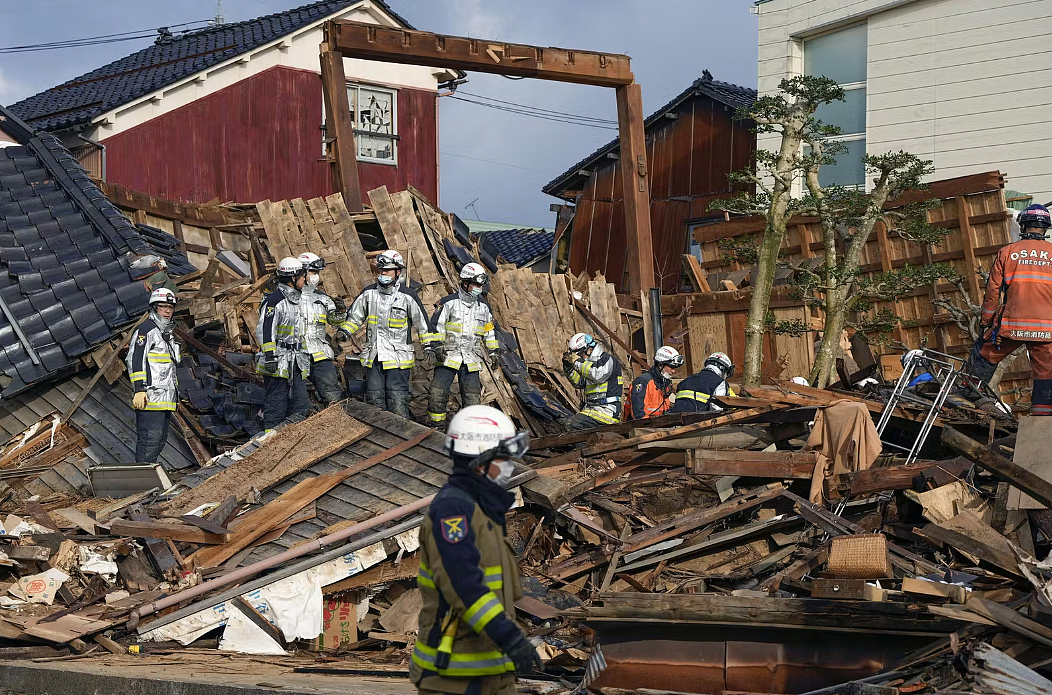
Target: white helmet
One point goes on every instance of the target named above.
(580, 341)
(162, 295)
(912, 354)
(668, 355)
(390, 259)
(722, 362)
(312, 261)
(801, 381)
(473, 272)
(290, 267)
(477, 429)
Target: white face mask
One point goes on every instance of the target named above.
(313, 279)
(476, 292)
(507, 469)
(385, 280)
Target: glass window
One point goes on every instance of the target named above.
(374, 113)
(849, 115)
(849, 169)
(840, 55)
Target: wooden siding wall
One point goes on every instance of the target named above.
(977, 217)
(688, 160)
(260, 139)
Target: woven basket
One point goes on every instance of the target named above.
(859, 557)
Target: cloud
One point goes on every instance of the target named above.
(477, 21)
(9, 89)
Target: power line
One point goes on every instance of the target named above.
(492, 161)
(94, 40)
(537, 108)
(532, 114)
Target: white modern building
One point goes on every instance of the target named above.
(965, 83)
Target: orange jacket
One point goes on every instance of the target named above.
(1021, 282)
(648, 396)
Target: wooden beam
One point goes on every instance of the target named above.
(695, 273)
(1030, 483)
(236, 370)
(339, 124)
(969, 251)
(636, 184)
(901, 477)
(184, 213)
(756, 464)
(675, 432)
(174, 532)
(396, 45)
(611, 334)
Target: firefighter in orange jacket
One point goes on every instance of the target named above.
(1017, 309)
(649, 394)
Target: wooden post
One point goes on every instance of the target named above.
(339, 125)
(636, 187)
(968, 244)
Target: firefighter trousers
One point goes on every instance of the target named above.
(283, 398)
(326, 382)
(388, 389)
(151, 433)
(442, 384)
(483, 685)
(985, 357)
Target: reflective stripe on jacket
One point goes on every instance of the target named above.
(695, 392)
(152, 361)
(1021, 282)
(602, 381)
(464, 326)
(469, 582)
(649, 394)
(279, 333)
(318, 313)
(387, 312)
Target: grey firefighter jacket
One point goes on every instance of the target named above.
(319, 311)
(152, 360)
(464, 326)
(387, 312)
(280, 333)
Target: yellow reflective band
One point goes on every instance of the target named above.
(158, 358)
(352, 327)
(494, 577)
(600, 416)
(269, 347)
(465, 664)
(138, 376)
(481, 612)
(694, 396)
(160, 405)
(425, 578)
(451, 324)
(436, 417)
(492, 344)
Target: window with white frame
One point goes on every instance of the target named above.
(375, 119)
(841, 56)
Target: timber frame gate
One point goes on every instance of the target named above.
(394, 45)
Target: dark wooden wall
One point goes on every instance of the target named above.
(259, 139)
(688, 160)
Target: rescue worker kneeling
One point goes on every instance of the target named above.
(651, 389)
(695, 393)
(1017, 309)
(464, 327)
(468, 642)
(598, 373)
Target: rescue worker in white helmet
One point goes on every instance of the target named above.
(319, 312)
(390, 310)
(468, 639)
(694, 394)
(598, 373)
(649, 395)
(281, 359)
(463, 323)
(153, 356)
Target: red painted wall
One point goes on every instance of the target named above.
(259, 139)
(688, 159)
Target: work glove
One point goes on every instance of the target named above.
(139, 400)
(341, 306)
(429, 357)
(524, 655)
(343, 335)
(440, 354)
(494, 360)
(568, 361)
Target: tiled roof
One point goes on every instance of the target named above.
(79, 100)
(518, 246)
(724, 92)
(64, 267)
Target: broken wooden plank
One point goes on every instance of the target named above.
(901, 477)
(1027, 481)
(759, 464)
(175, 532)
(675, 432)
(256, 618)
(204, 524)
(1005, 616)
(969, 534)
(80, 519)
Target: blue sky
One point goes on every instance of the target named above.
(498, 159)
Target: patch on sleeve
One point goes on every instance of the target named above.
(639, 387)
(454, 528)
(270, 311)
(141, 339)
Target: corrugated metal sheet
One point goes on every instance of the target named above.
(415, 473)
(225, 145)
(105, 417)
